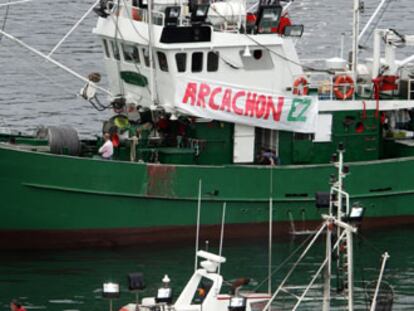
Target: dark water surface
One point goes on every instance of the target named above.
(33, 92)
(71, 280)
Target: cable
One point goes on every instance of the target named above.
(132, 23)
(285, 261)
(9, 3)
(228, 63)
(374, 26)
(35, 71)
(6, 15)
(123, 39)
(119, 48)
(98, 106)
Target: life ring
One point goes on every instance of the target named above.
(340, 82)
(296, 86)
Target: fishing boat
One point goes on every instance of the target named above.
(212, 103)
(205, 289)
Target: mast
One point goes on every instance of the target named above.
(355, 35)
(328, 271)
(348, 239)
(269, 284)
(150, 51)
(200, 185)
(223, 220)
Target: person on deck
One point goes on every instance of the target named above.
(268, 157)
(107, 149)
(283, 23)
(16, 306)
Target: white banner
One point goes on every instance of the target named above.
(246, 106)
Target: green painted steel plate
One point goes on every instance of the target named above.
(134, 78)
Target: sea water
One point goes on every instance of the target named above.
(72, 279)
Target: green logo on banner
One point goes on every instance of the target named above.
(298, 110)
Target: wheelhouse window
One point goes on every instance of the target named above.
(131, 53)
(145, 52)
(162, 61)
(212, 61)
(181, 61)
(106, 48)
(115, 50)
(197, 62)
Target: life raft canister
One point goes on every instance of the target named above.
(135, 14)
(297, 90)
(340, 84)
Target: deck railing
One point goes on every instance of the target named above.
(323, 85)
(139, 14)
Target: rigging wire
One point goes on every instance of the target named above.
(374, 26)
(8, 4)
(98, 106)
(280, 266)
(134, 63)
(6, 15)
(37, 72)
(132, 23)
(119, 49)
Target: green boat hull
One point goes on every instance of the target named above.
(62, 201)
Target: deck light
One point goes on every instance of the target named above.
(268, 18)
(293, 31)
(199, 13)
(110, 290)
(164, 294)
(136, 281)
(356, 214)
(322, 199)
(172, 13)
(237, 304)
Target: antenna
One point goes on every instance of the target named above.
(200, 183)
(223, 219)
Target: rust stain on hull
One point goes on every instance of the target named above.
(160, 180)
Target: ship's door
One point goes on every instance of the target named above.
(302, 148)
(267, 140)
(243, 148)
